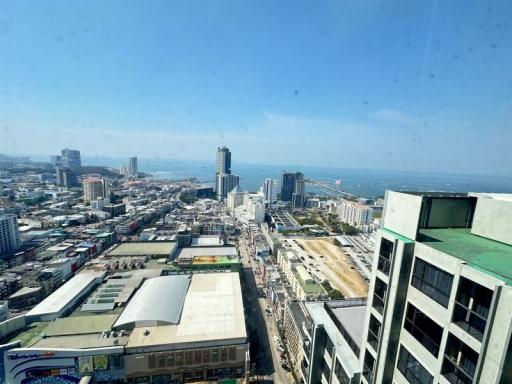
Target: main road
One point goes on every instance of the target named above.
(264, 354)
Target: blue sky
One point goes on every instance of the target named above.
(403, 85)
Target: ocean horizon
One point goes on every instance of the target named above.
(361, 182)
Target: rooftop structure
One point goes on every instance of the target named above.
(284, 221)
(148, 248)
(149, 307)
(64, 298)
(334, 341)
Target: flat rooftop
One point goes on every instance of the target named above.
(343, 350)
(208, 251)
(351, 318)
(485, 255)
(200, 260)
(212, 311)
(59, 300)
(143, 248)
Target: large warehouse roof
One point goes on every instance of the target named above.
(144, 248)
(67, 295)
(158, 302)
(213, 311)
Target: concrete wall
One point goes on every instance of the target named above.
(492, 219)
(12, 325)
(401, 213)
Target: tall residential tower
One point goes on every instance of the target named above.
(133, 166)
(9, 234)
(441, 291)
(223, 160)
(293, 188)
(225, 182)
(71, 158)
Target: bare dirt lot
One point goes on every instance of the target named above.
(337, 267)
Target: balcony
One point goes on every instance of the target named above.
(368, 374)
(368, 367)
(454, 373)
(423, 329)
(459, 363)
(383, 265)
(379, 295)
(374, 333)
(378, 303)
(373, 340)
(471, 308)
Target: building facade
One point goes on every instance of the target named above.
(223, 164)
(71, 158)
(235, 198)
(10, 239)
(94, 188)
(270, 188)
(289, 184)
(225, 183)
(333, 338)
(66, 177)
(133, 166)
(441, 291)
(355, 214)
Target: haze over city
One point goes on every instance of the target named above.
(422, 86)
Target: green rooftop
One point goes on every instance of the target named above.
(30, 335)
(485, 255)
(309, 289)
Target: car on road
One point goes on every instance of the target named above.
(286, 367)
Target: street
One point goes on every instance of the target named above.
(262, 329)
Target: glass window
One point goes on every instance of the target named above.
(424, 329)
(432, 281)
(329, 346)
(412, 370)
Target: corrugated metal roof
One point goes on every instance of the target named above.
(159, 301)
(59, 300)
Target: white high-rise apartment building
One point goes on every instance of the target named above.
(94, 188)
(354, 214)
(440, 292)
(270, 188)
(10, 239)
(223, 160)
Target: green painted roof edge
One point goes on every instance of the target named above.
(398, 236)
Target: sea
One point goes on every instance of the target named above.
(360, 182)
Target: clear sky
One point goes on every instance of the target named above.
(406, 85)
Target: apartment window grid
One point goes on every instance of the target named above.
(340, 373)
(472, 306)
(379, 295)
(411, 368)
(427, 332)
(432, 281)
(374, 332)
(385, 255)
(326, 370)
(368, 367)
(460, 361)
